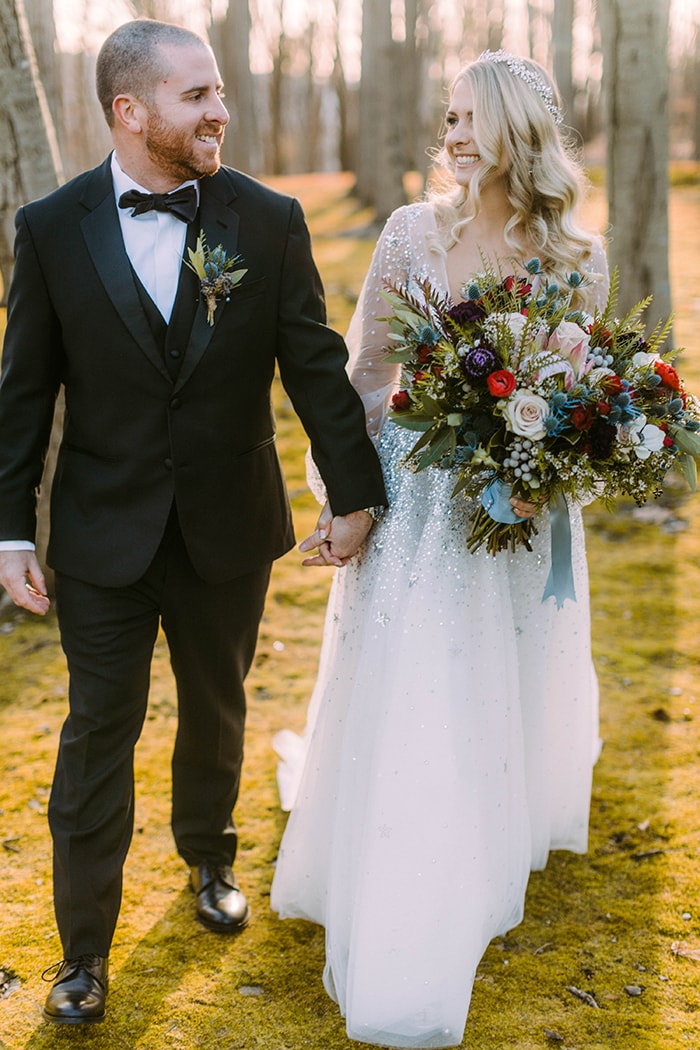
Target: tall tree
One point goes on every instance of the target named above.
(230, 39)
(347, 128)
(562, 53)
(30, 162)
(381, 157)
(30, 166)
(696, 95)
(635, 78)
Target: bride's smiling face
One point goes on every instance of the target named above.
(460, 140)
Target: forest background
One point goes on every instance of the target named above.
(609, 952)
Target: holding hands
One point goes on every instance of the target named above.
(336, 538)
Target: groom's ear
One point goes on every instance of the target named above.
(130, 114)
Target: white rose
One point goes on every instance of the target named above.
(525, 414)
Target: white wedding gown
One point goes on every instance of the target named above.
(451, 734)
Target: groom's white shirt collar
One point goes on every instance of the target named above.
(154, 242)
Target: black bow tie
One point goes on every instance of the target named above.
(182, 202)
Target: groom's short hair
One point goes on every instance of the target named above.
(130, 61)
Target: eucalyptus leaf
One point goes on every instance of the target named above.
(443, 443)
(687, 440)
(689, 470)
(430, 437)
(411, 422)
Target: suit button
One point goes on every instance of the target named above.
(175, 353)
(175, 403)
(168, 464)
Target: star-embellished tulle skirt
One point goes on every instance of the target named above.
(450, 744)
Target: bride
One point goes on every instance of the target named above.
(453, 727)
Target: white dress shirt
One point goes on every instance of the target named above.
(155, 243)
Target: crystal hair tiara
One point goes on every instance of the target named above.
(518, 68)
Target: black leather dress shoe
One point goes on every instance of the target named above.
(221, 906)
(78, 992)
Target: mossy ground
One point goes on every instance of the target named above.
(599, 923)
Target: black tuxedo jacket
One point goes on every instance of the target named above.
(136, 434)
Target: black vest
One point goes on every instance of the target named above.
(172, 337)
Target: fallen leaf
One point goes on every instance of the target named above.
(681, 949)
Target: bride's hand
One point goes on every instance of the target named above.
(319, 541)
(336, 539)
(523, 508)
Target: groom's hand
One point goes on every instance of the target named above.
(337, 538)
(22, 578)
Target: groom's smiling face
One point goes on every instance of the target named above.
(186, 116)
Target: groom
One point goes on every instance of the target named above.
(168, 504)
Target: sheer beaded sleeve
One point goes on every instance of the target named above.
(371, 374)
(597, 268)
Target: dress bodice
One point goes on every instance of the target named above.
(406, 255)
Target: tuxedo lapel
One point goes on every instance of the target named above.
(219, 223)
(103, 238)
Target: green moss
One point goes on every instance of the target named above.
(599, 923)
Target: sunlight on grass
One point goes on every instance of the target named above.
(610, 924)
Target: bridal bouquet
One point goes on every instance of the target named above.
(527, 395)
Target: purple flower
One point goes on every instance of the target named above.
(478, 363)
(601, 438)
(466, 312)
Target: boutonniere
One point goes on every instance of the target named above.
(217, 276)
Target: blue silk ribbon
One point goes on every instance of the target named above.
(560, 582)
(495, 499)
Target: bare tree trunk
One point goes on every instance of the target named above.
(562, 51)
(230, 40)
(277, 164)
(30, 166)
(496, 15)
(634, 34)
(310, 154)
(381, 160)
(390, 157)
(375, 13)
(696, 98)
(42, 30)
(30, 163)
(346, 139)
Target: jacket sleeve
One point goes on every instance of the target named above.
(29, 384)
(312, 360)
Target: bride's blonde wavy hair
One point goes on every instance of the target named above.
(516, 134)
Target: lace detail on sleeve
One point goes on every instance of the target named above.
(373, 377)
(371, 374)
(597, 268)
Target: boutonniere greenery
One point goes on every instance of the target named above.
(216, 271)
